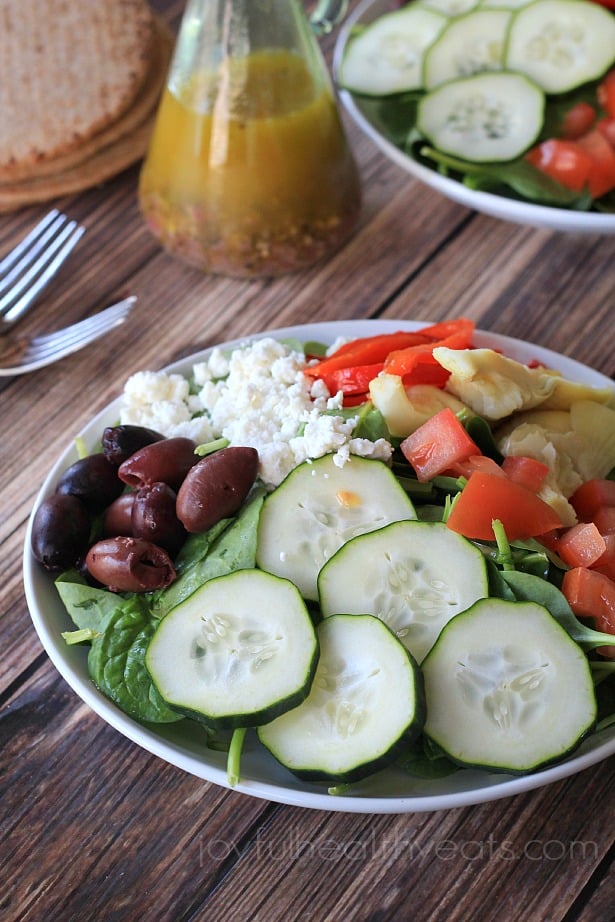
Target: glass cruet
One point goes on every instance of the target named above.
(249, 172)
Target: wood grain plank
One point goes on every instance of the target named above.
(95, 827)
(90, 820)
(529, 854)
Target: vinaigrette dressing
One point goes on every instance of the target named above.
(249, 172)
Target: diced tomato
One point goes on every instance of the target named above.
(608, 3)
(606, 127)
(475, 463)
(581, 545)
(487, 496)
(592, 595)
(528, 472)
(606, 563)
(606, 91)
(604, 519)
(438, 444)
(561, 160)
(578, 120)
(601, 177)
(592, 496)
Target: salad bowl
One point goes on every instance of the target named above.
(365, 114)
(183, 744)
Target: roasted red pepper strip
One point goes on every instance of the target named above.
(457, 334)
(426, 371)
(447, 327)
(353, 380)
(351, 367)
(365, 351)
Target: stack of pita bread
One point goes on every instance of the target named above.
(80, 82)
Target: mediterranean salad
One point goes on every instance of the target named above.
(514, 97)
(392, 551)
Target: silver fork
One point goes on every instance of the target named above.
(20, 354)
(30, 266)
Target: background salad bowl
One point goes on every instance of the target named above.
(387, 129)
(183, 744)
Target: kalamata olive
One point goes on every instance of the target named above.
(60, 532)
(167, 461)
(216, 487)
(130, 565)
(155, 519)
(117, 519)
(120, 442)
(93, 479)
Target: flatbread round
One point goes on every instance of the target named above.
(67, 71)
(114, 149)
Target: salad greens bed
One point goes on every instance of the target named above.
(395, 118)
(388, 68)
(117, 627)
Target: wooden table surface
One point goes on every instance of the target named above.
(93, 826)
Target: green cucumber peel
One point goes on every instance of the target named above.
(425, 759)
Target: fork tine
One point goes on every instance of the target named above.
(78, 334)
(47, 265)
(18, 260)
(22, 246)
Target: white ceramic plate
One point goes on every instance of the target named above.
(183, 744)
(497, 206)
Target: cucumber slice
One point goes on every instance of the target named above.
(414, 576)
(366, 705)
(507, 4)
(561, 44)
(319, 507)
(507, 688)
(449, 7)
(237, 652)
(471, 44)
(484, 118)
(387, 57)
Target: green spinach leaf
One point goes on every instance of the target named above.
(234, 548)
(116, 663)
(89, 607)
(530, 588)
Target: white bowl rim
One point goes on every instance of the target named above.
(496, 206)
(470, 787)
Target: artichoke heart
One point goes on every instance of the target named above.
(495, 386)
(576, 444)
(406, 408)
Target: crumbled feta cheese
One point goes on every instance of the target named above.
(162, 401)
(340, 341)
(258, 396)
(218, 364)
